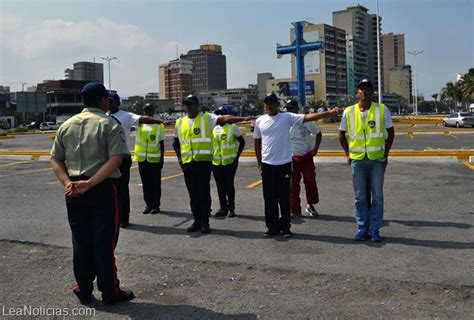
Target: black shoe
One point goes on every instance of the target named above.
(205, 228)
(124, 224)
(84, 298)
(155, 210)
(122, 296)
(231, 214)
(287, 234)
(269, 233)
(147, 210)
(221, 213)
(194, 227)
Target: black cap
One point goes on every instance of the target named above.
(148, 107)
(191, 99)
(365, 82)
(270, 97)
(113, 96)
(220, 111)
(94, 91)
(291, 103)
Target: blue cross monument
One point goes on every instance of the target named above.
(299, 48)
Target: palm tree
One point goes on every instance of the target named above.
(450, 93)
(435, 97)
(466, 86)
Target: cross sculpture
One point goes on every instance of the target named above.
(299, 48)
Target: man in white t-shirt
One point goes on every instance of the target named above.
(127, 121)
(305, 141)
(273, 151)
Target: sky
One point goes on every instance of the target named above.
(39, 39)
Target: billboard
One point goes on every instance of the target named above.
(290, 88)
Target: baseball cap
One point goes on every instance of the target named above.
(192, 99)
(93, 91)
(365, 82)
(291, 103)
(271, 97)
(220, 111)
(113, 96)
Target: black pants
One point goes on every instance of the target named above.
(150, 174)
(94, 221)
(276, 191)
(124, 193)
(197, 176)
(224, 176)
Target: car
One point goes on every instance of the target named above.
(459, 119)
(33, 125)
(48, 126)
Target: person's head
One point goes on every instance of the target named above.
(191, 104)
(365, 90)
(114, 101)
(95, 95)
(220, 111)
(148, 110)
(271, 104)
(292, 106)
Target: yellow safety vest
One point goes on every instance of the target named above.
(366, 138)
(147, 143)
(225, 145)
(196, 141)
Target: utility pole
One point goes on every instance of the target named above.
(108, 59)
(379, 70)
(414, 53)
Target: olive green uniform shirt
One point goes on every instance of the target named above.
(87, 140)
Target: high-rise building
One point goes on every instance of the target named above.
(393, 54)
(262, 84)
(357, 62)
(86, 71)
(358, 23)
(176, 80)
(399, 82)
(327, 68)
(209, 68)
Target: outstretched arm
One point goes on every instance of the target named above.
(320, 115)
(222, 120)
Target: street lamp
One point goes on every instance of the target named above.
(414, 53)
(379, 68)
(108, 59)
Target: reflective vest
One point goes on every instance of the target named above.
(147, 143)
(366, 138)
(196, 141)
(225, 145)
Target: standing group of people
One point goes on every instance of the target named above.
(91, 158)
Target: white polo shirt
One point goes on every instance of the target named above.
(127, 120)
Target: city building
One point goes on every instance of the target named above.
(326, 70)
(229, 97)
(399, 82)
(357, 62)
(175, 80)
(32, 106)
(86, 71)
(262, 79)
(393, 55)
(358, 23)
(209, 68)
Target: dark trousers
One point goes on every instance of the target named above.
(124, 193)
(197, 176)
(224, 176)
(276, 192)
(94, 221)
(150, 173)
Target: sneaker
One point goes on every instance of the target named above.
(295, 216)
(84, 298)
(231, 214)
(361, 235)
(155, 210)
(221, 213)
(375, 236)
(147, 210)
(122, 296)
(269, 233)
(287, 234)
(311, 210)
(196, 226)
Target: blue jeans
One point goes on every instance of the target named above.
(367, 179)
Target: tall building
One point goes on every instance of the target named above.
(358, 23)
(399, 82)
(209, 68)
(357, 62)
(327, 68)
(262, 84)
(393, 54)
(87, 71)
(176, 80)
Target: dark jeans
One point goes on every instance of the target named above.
(276, 191)
(197, 176)
(124, 193)
(94, 221)
(150, 173)
(224, 176)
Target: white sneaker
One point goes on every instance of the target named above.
(311, 210)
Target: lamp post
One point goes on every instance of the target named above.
(379, 70)
(414, 53)
(108, 59)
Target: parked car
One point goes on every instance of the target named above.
(459, 119)
(33, 125)
(48, 126)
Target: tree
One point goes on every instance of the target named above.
(466, 86)
(435, 97)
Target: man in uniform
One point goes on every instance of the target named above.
(86, 156)
(193, 147)
(370, 135)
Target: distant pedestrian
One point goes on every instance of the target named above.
(273, 151)
(149, 153)
(366, 135)
(228, 146)
(86, 156)
(305, 142)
